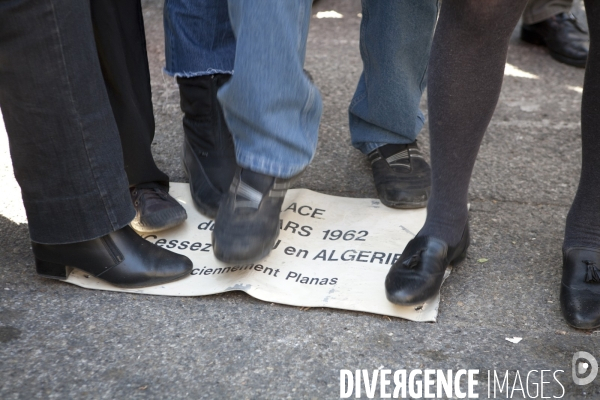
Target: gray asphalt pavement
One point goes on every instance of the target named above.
(58, 341)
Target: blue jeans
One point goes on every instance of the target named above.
(199, 39)
(395, 41)
(259, 107)
(270, 106)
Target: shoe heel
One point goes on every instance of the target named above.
(52, 270)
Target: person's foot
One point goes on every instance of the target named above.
(247, 223)
(121, 258)
(402, 176)
(155, 210)
(580, 287)
(566, 40)
(208, 150)
(418, 275)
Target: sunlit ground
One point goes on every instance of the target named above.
(11, 204)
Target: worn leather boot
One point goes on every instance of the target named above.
(121, 258)
(247, 224)
(402, 176)
(566, 40)
(208, 151)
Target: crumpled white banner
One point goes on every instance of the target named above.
(332, 252)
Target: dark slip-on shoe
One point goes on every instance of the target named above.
(418, 275)
(580, 287)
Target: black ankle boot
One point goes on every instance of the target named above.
(208, 152)
(121, 258)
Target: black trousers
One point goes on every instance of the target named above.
(121, 43)
(63, 134)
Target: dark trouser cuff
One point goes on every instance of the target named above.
(96, 216)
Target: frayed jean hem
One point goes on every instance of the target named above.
(268, 167)
(186, 74)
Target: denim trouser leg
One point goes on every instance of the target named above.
(198, 38)
(270, 106)
(395, 40)
(63, 138)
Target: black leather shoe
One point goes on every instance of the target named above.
(580, 288)
(121, 258)
(566, 40)
(418, 275)
(156, 210)
(247, 224)
(402, 176)
(208, 152)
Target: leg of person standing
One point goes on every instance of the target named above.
(395, 40)
(550, 23)
(580, 288)
(121, 43)
(66, 149)
(462, 95)
(273, 112)
(200, 52)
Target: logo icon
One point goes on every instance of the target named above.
(580, 367)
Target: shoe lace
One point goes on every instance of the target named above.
(593, 273)
(149, 193)
(414, 260)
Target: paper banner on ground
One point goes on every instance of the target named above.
(331, 252)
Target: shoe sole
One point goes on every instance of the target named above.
(569, 61)
(404, 205)
(407, 205)
(160, 221)
(60, 272)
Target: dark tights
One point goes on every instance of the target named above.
(465, 76)
(583, 221)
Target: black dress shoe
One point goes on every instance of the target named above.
(156, 210)
(566, 40)
(580, 288)
(208, 151)
(247, 224)
(418, 275)
(121, 258)
(402, 176)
